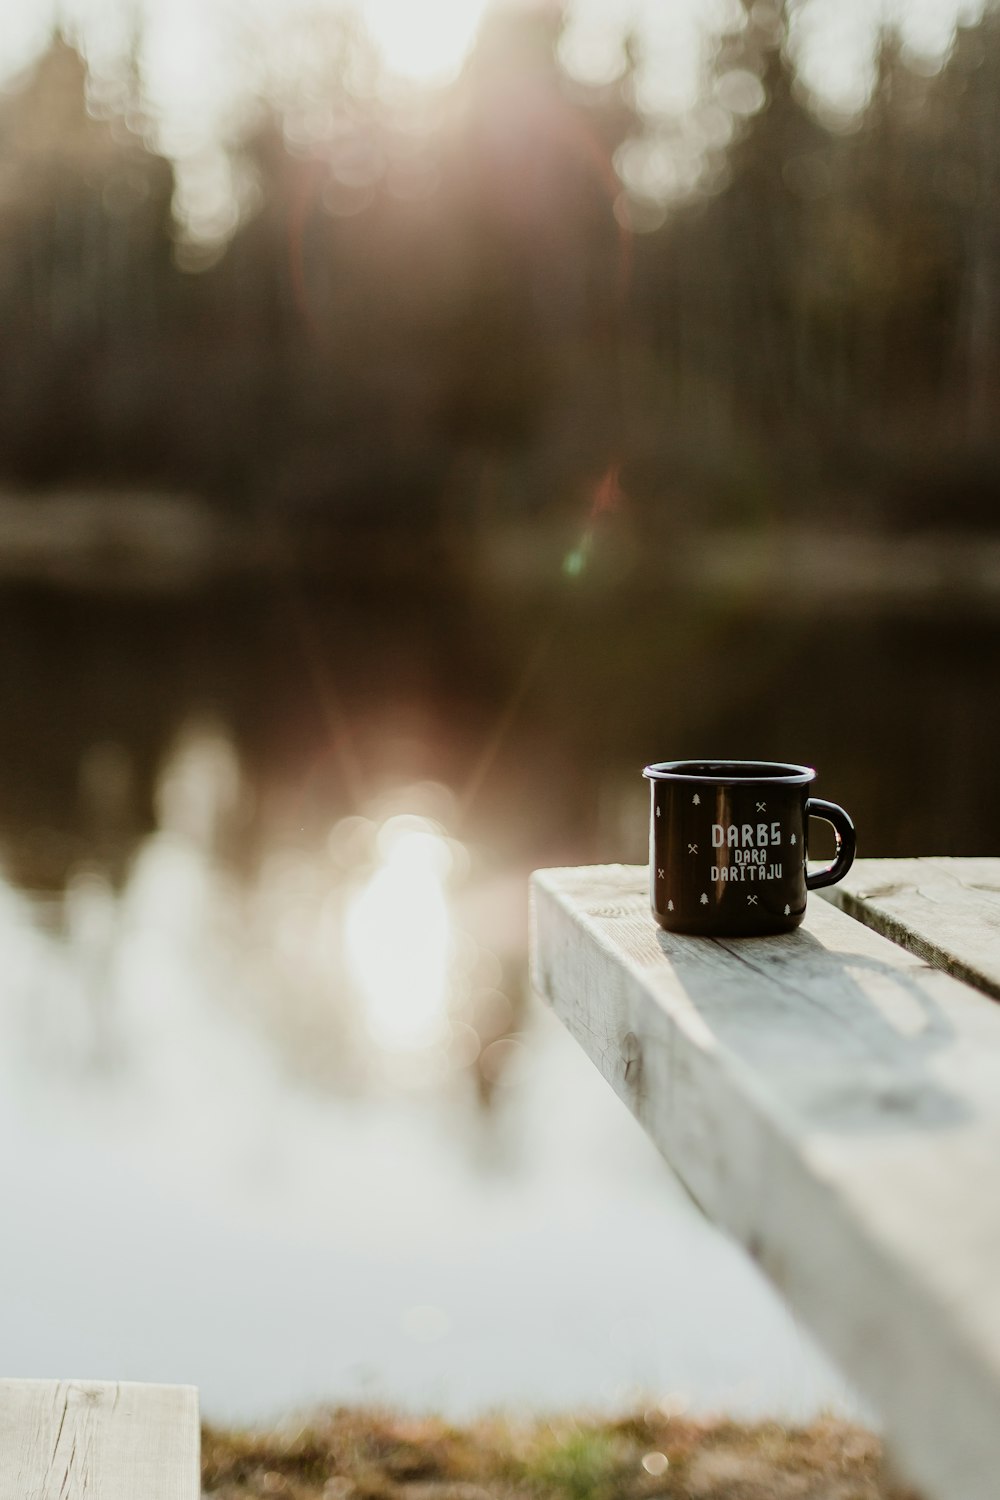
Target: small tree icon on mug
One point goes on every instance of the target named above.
(704, 899)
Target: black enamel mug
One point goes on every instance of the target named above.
(728, 844)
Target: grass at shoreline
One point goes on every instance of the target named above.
(351, 1454)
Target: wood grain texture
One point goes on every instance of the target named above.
(834, 1103)
(98, 1440)
(945, 910)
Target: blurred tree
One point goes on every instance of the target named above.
(84, 261)
(540, 315)
(427, 310)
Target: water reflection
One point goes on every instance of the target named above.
(398, 937)
(349, 955)
(193, 1075)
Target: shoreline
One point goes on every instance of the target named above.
(151, 544)
(365, 1454)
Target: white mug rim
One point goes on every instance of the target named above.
(730, 772)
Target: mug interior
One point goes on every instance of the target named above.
(728, 770)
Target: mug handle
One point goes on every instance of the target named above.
(846, 842)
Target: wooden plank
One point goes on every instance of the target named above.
(98, 1440)
(834, 1103)
(945, 910)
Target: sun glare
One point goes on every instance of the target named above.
(398, 937)
(427, 43)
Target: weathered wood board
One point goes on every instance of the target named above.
(98, 1440)
(833, 1102)
(945, 910)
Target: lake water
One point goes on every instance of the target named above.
(181, 1204)
(277, 1115)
